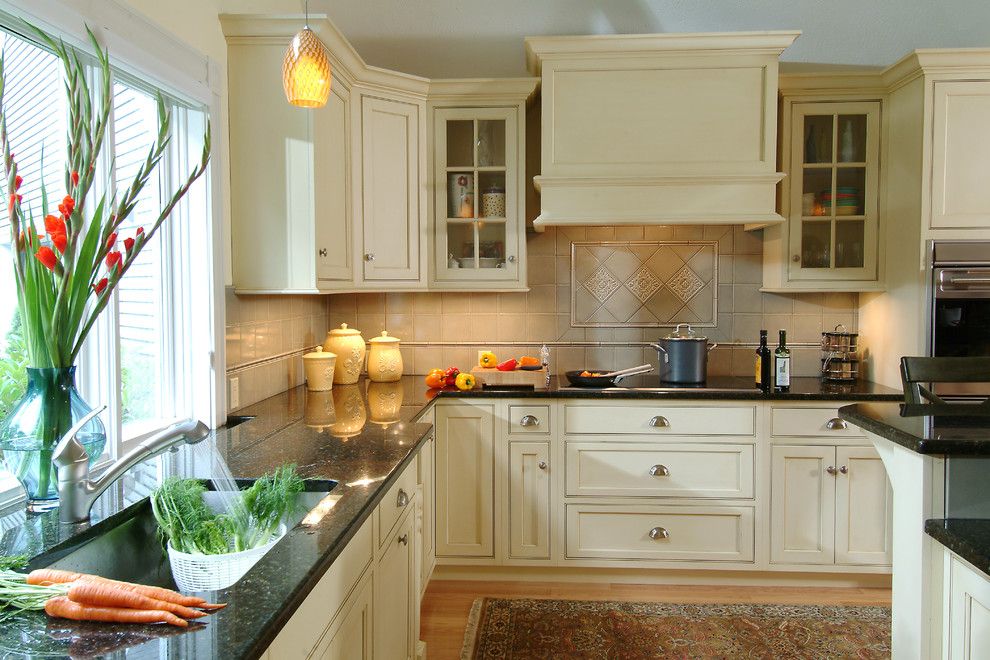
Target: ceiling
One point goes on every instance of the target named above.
(462, 38)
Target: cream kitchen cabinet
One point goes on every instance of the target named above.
(396, 623)
(529, 500)
(960, 169)
(352, 639)
(829, 505)
(465, 473)
(830, 150)
(479, 184)
(965, 610)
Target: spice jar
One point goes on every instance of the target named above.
(319, 368)
(385, 359)
(348, 344)
(493, 202)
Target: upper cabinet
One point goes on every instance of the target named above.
(479, 203)
(830, 151)
(658, 129)
(960, 167)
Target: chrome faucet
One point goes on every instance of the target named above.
(77, 492)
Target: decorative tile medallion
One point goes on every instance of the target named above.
(644, 284)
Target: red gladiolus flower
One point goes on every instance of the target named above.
(139, 232)
(111, 240)
(18, 180)
(113, 261)
(75, 178)
(56, 232)
(100, 286)
(128, 244)
(47, 258)
(14, 199)
(67, 205)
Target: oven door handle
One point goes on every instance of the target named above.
(969, 280)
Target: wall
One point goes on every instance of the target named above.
(442, 329)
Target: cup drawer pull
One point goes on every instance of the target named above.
(659, 471)
(402, 500)
(529, 420)
(659, 421)
(659, 533)
(836, 424)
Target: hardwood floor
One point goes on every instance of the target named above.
(447, 603)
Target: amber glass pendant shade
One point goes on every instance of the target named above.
(306, 71)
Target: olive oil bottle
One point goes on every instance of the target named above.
(782, 364)
(764, 364)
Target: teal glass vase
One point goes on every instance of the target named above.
(51, 406)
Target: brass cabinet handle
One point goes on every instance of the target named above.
(403, 499)
(831, 470)
(659, 471)
(836, 424)
(323, 252)
(370, 256)
(659, 533)
(529, 420)
(542, 465)
(404, 539)
(659, 421)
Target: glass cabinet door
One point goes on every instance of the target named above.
(833, 215)
(477, 195)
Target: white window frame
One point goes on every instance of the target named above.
(142, 50)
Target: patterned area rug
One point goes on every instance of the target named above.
(557, 629)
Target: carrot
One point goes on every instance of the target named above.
(49, 576)
(62, 607)
(93, 592)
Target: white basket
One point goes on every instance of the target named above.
(212, 572)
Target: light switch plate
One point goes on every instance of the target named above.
(233, 393)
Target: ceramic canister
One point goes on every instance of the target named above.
(348, 404)
(385, 403)
(348, 344)
(319, 368)
(385, 359)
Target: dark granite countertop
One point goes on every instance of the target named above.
(727, 388)
(359, 435)
(955, 430)
(968, 538)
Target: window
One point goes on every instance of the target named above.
(149, 358)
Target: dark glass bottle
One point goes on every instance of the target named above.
(764, 364)
(782, 364)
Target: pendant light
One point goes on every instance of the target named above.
(306, 69)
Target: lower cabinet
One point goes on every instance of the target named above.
(397, 594)
(829, 505)
(966, 612)
(529, 500)
(352, 639)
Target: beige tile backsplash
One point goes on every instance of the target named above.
(266, 335)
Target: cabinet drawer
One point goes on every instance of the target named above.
(311, 620)
(674, 470)
(529, 420)
(660, 420)
(398, 498)
(623, 531)
(804, 422)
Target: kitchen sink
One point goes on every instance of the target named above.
(126, 545)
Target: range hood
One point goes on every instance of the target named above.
(658, 129)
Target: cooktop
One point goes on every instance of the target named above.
(651, 382)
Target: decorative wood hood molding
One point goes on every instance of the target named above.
(658, 129)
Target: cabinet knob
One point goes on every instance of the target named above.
(836, 424)
(404, 539)
(511, 259)
(369, 256)
(659, 421)
(529, 420)
(323, 252)
(831, 470)
(843, 469)
(796, 259)
(403, 499)
(659, 533)
(542, 465)
(659, 471)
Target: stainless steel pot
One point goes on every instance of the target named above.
(683, 356)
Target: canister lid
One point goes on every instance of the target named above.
(319, 354)
(344, 331)
(383, 339)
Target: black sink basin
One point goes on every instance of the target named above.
(126, 546)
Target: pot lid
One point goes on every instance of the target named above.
(383, 339)
(688, 333)
(319, 354)
(840, 331)
(343, 331)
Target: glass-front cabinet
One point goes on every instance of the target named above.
(478, 205)
(834, 184)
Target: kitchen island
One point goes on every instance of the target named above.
(917, 444)
(363, 437)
